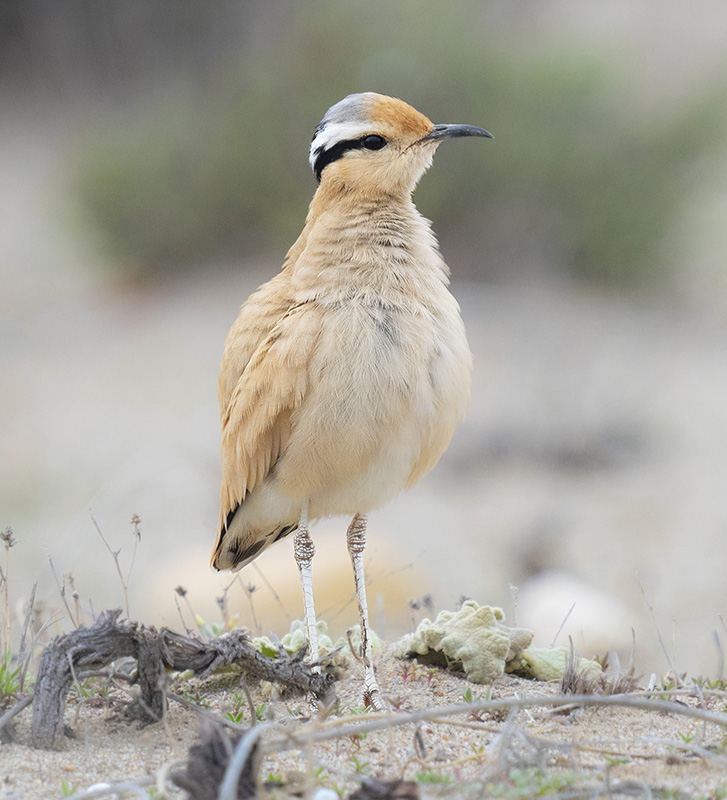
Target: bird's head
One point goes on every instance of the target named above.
(373, 143)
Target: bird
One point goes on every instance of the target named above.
(344, 376)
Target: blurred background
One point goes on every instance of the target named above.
(153, 172)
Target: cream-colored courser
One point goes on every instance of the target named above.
(344, 376)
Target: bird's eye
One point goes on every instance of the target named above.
(373, 142)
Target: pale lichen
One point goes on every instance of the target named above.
(296, 638)
(550, 664)
(475, 637)
(476, 640)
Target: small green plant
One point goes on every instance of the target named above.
(89, 688)
(260, 711)
(480, 716)
(615, 761)
(209, 630)
(529, 783)
(83, 689)
(67, 789)
(198, 699)
(9, 677)
(409, 671)
(398, 703)
(237, 713)
(360, 767)
(432, 777)
(715, 685)
(686, 737)
(274, 777)
(667, 685)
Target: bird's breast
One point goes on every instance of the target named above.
(382, 374)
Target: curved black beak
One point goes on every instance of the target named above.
(440, 132)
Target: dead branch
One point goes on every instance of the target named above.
(352, 725)
(92, 649)
(109, 639)
(6, 729)
(210, 761)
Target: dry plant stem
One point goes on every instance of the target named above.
(62, 591)
(585, 746)
(250, 703)
(658, 633)
(187, 629)
(15, 710)
(248, 593)
(163, 779)
(136, 522)
(23, 656)
(6, 601)
(115, 556)
(376, 722)
(181, 592)
(334, 611)
(502, 742)
(724, 628)
(109, 639)
(270, 586)
(119, 789)
(562, 625)
(692, 749)
(228, 787)
(720, 653)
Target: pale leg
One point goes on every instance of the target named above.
(304, 550)
(356, 539)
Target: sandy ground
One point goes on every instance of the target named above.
(539, 750)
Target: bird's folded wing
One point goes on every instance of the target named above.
(256, 423)
(258, 316)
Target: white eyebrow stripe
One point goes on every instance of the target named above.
(333, 132)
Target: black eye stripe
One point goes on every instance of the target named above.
(326, 157)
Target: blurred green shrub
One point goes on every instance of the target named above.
(578, 175)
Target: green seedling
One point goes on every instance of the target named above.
(432, 777)
(9, 677)
(360, 767)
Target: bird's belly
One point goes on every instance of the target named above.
(381, 383)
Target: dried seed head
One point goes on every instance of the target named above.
(7, 537)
